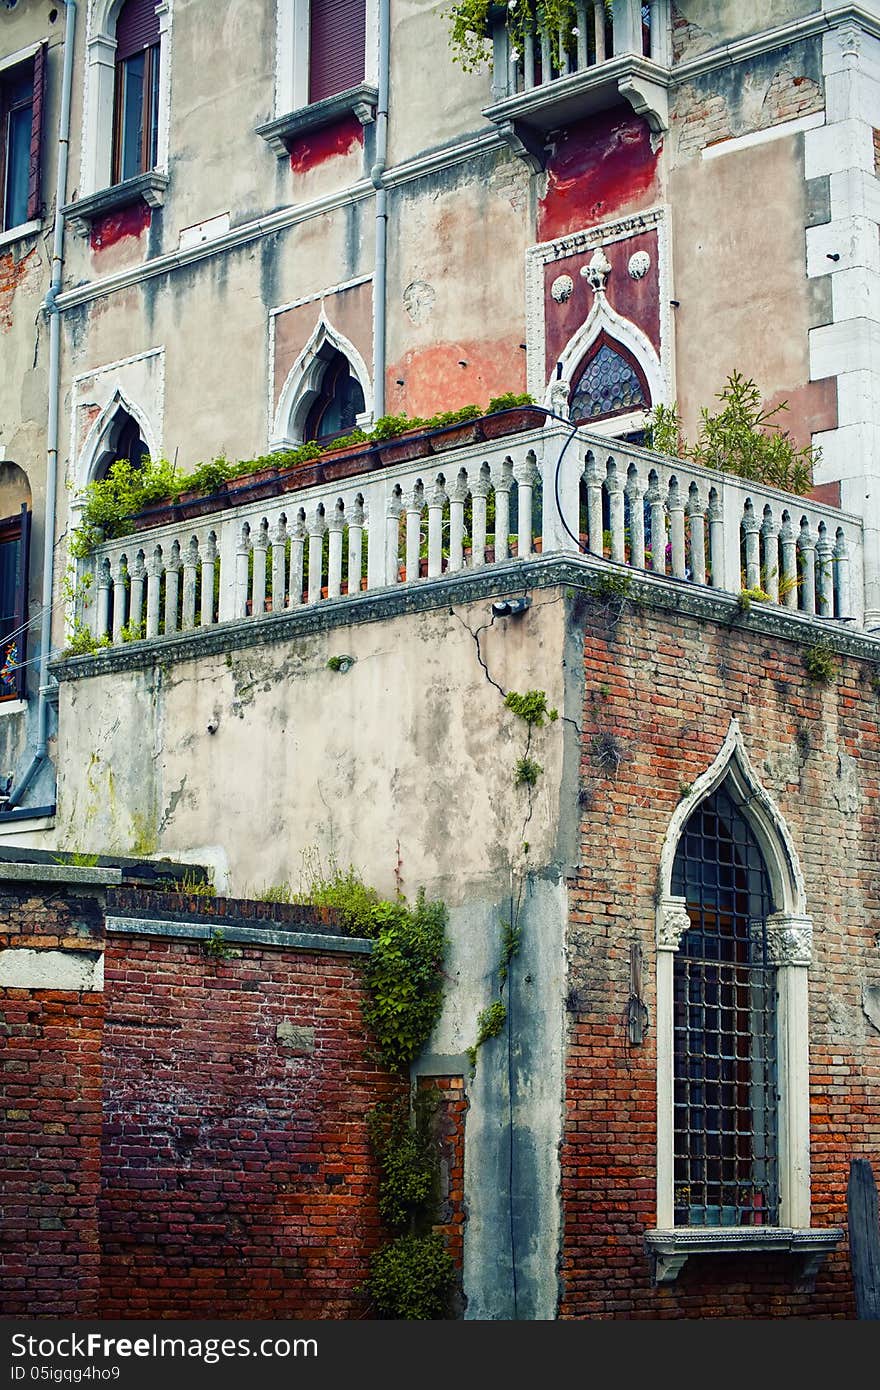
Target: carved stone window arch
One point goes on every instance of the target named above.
(783, 935)
(122, 440)
(609, 381)
(339, 402)
(325, 355)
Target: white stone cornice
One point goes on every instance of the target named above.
(744, 50)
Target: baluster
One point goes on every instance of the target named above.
(676, 529)
(172, 588)
(242, 553)
(529, 60)
(190, 584)
(154, 588)
(615, 513)
(750, 530)
(436, 503)
(414, 502)
(120, 575)
(769, 556)
(392, 537)
(279, 564)
(500, 66)
(594, 507)
(806, 545)
(316, 554)
(564, 66)
(502, 511)
(657, 20)
(788, 545)
(209, 561)
(526, 475)
(697, 528)
(297, 548)
(635, 498)
(546, 64)
(479, 494)
(824, 577)
(336, 526)
(137, 576)
(715, 514)
(580, 14)
(260, 550)
(355, 545)
(657, 514)
(841, 568)
(457, 499)
(599, 29)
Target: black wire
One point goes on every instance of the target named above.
(574, 429)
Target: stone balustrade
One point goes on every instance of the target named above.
(543, 490)
(598, 38)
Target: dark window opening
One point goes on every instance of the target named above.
(136, 96)
(21, 118)
(14, 546)
(125, 443)
(340, 401)
(610, 382)
(725, 1063)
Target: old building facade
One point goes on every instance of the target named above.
(232, 229)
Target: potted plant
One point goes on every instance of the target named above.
(455, 428)
(511, 413)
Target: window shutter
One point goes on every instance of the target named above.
(21, 599)
(337, 39)
(137, 28)
(34, 208)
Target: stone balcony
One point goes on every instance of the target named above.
(458, 507)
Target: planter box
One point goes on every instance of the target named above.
(348, 463)
(405, 448)
(157, 515)
(195, 504)
(454, 436)
(254, 487)
(302, 476)
(513, 421)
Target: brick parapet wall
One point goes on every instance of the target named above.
(658, 702)
(50, 1100)
(184, 906)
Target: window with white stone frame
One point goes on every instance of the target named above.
(325, 48)
(734, 946)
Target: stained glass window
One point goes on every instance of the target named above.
(608, 385)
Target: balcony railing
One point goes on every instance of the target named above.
(634, 29)
(471, 507)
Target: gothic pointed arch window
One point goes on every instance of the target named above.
(725, 1082)
(338, 403)
(608, 382)
(123, 441)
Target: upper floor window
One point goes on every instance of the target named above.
(136, 93)
(21, 115)
(123, 441)
(610, 382)
(339, 401)
(14, 537)
(337, 35)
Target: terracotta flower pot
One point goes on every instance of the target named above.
(348, 463)
(301, 476)
(253, 487)
(159, 514)
(194, 504)
(512, 421)
(404, 448)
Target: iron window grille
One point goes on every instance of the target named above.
(726, 1159)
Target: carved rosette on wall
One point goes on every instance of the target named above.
(672, 923)
(790, 940)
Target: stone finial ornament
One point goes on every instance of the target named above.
(597, 271)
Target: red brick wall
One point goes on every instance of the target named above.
(50, 1099)
(449, 1130)
(664, 689)
(237, 1177)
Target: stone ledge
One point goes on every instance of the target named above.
(148, 188)
(238, 935)
(57, 873)
(671, 1249)
(360, 101)
(559, 570)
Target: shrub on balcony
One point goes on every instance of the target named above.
(742, 438)
(471, 21)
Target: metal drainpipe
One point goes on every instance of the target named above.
(377, 175)
(50, 308)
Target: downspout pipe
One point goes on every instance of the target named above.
(50, 309)
(377, 177)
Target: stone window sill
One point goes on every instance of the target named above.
(143, 188)
(359, 101)
(670, 1249)
(526, 119)
(24, 229)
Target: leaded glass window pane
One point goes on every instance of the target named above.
(725, 1078)
(607, 385)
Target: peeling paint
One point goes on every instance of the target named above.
(15, 274)
(599, 168)
(313, 149)
(128, 222)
